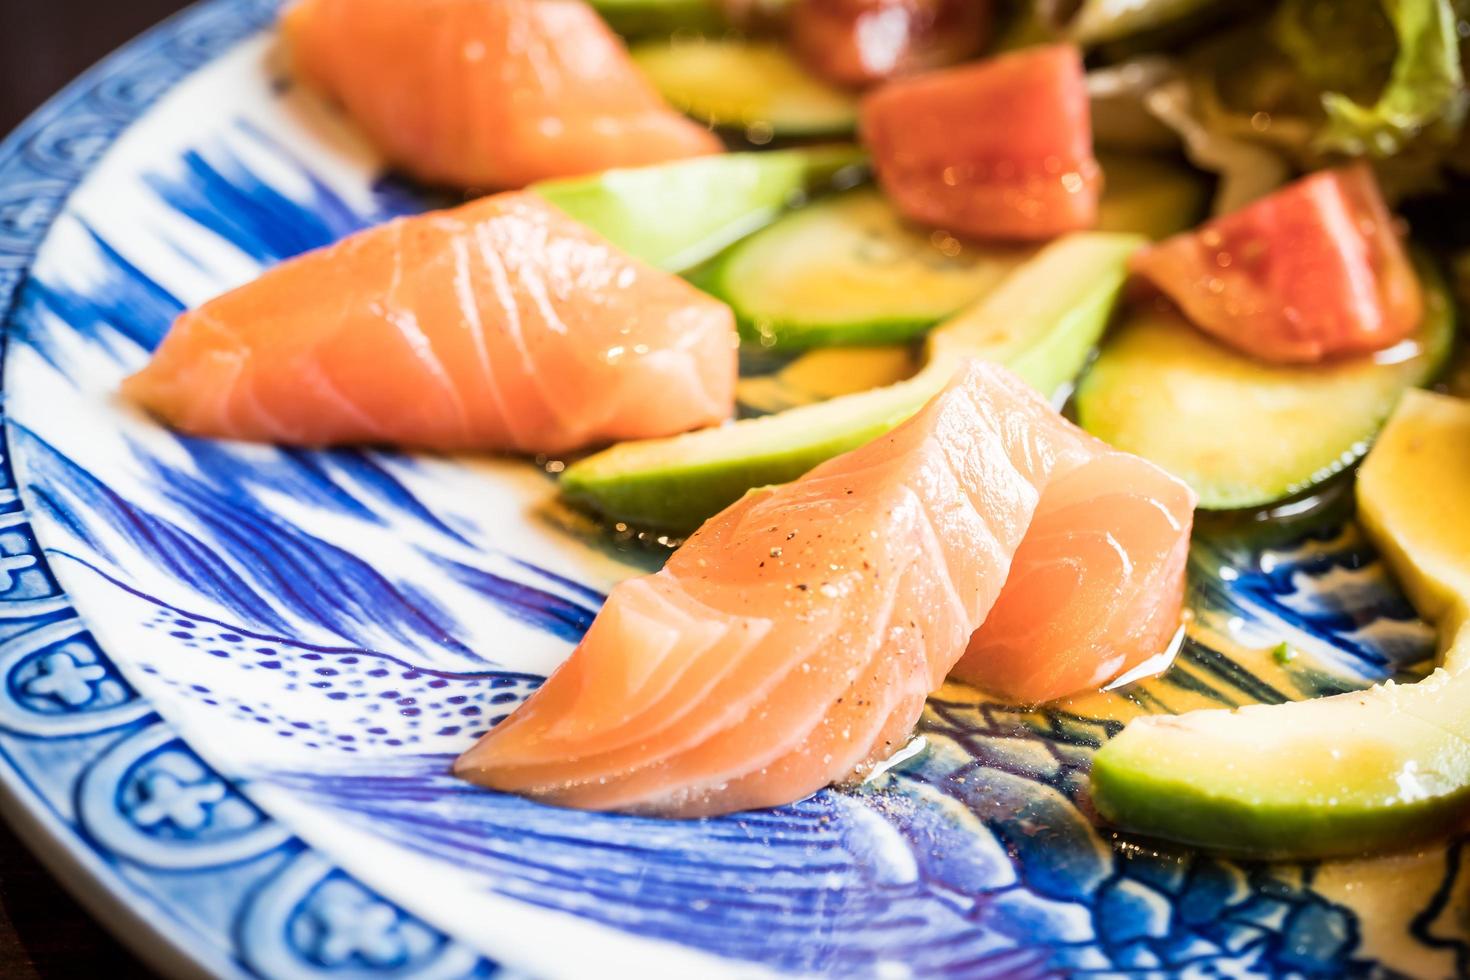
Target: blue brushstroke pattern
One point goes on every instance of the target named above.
(287, 570)
(530, 605)
(584, 592)
(527, 680)
(221, 193)
(122, 300)
(1256, 587)
(828, 884)
(839, 882)
(315, 477)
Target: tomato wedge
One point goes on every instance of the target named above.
(998, 149)
(860, 42)
(1313, 271)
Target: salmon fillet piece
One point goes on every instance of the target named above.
(791, 642)
(1095, 588)
(499, 325)
(488, 93)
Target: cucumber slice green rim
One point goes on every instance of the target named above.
(645, 18)
(1348, 774)
(1043, 321)
(756, 87)
(1242, 433)
(848, 270)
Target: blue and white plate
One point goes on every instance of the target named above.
(234, 676)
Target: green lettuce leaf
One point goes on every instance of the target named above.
(1342, 47)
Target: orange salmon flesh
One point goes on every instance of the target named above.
(499, 325)
(489, 94)
(791, 642)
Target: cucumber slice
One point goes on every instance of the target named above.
(1142, 194)
(642, 18)
(1043, 319)
(1348, 774)
(848, 270)
(1240, 432)
(1150, 196)
(677, 215)
(753, 86)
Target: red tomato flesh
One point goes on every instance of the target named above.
(998, 149)
(860, 42)
(1310, 272)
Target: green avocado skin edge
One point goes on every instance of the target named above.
(1350, 774)
(676, 484)
(1158, 384)
(679, 498)
(1126, 794)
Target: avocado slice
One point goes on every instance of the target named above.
(1142, 194)
(1043, 320)
(754, 87)
(1240, 432)
(677, 215)
(1358, 772)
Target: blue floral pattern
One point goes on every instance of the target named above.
(69, 679)
(346, 923)
(161, 799)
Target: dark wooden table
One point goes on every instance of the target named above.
(43, 45)
(46, 43)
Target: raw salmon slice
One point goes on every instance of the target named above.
(791, 642)
(488, 93)
(1096, 587)
(500, 325)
